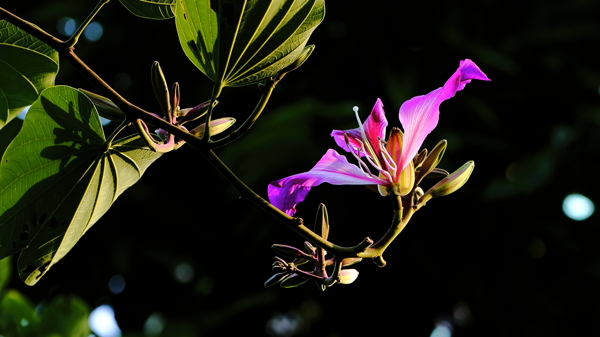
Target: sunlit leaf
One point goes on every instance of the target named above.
(27, 66)
(150, 9)
(58, 177)
(236, 42)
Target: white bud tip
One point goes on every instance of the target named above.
(355, 109)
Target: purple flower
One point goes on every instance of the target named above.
(418, 116)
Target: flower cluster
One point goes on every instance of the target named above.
(392, 160)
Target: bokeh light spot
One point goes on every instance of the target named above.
(578, 207)
(116, 284)
(461, 314)
(442, 329)
(93, 32)
(537, 248)
(66, 26)
(183, 273)
(154, 325)
(102, 322)
(284, 325)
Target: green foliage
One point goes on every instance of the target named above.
(66, 316)
(59, 176)
(4, 272)
(27, 65)
(250, 40)
(150, 9)
(63, 316)
(17, 314)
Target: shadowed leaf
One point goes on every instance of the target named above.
(58, 177)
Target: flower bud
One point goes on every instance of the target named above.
(348, 276)
(273, 280)
(450, 184)
(105, 107)
(159, 85)
(309, 247)
(299, 61)
(350, 261)
(293, 281)
(418, 159)
(191, 114)
(300, 261)
(432, 160)
(216, 126)
(290, 252)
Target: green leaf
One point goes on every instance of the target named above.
(8, 133)
(17, 315)
(150, 9)
(27, 66)
(5, 267)
(58, 177)
(66, 316)
(237, 43)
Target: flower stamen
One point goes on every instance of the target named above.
(361, 164)
(371, 153)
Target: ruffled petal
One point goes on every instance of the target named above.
(375, 126)
(420, 114)
(333, 168)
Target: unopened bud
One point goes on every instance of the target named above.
(191, 114)
(273, 280)
(432, 160)
(348, 276)
(293, 281)
(159, 85)
(216, 126)
(451, 183)
(418, 159)
(290, 252)
(105, 107)
(299, 61)
(350, 261)
(309, 247)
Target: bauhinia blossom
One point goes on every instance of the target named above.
(392, 160)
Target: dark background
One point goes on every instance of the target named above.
(497, 258)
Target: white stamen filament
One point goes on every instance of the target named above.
(361, 164)
(366, 143)
(387, 158)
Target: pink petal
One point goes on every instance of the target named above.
(375, 126)
(333, 168)
(420, 114)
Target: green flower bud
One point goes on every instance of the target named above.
(273, 280)
(350, 261)
(450, 184)
(304, 55)
(290, 252)
(432, 160)
(293, 281)
(106, 108)
(216, 126)
(159, 85)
